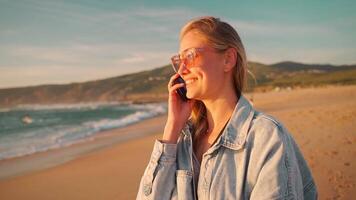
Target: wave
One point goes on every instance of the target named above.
(44, 139)
(74, 106)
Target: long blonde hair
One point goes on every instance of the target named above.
(220, 36)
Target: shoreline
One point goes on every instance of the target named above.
(321, 120)
(23, 165)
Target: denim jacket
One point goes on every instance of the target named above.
(254, 158)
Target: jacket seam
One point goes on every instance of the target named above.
(309, 186)
(289, 192)
(274, 121)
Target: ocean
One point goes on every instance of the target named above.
(29, 129)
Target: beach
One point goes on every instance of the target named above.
(321, 120)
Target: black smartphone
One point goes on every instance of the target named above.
(182, 91)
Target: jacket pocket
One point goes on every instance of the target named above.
(185, 185)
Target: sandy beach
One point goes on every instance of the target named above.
(322, 120)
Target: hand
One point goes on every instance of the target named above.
(178, 112)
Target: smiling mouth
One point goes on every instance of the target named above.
(189, 81)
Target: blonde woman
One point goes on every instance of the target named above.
(215, 145)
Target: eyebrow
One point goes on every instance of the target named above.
(186, 49)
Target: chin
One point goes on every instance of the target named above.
(192, 95)
(189, 96)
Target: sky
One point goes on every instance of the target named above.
(56, 42)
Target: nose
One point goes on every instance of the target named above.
(183, 69)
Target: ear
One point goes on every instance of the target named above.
(230, 59)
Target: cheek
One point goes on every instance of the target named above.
(199, 74)
(213, 82)
(213, 73)
(207, 80)
(209, 72)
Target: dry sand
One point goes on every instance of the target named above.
(322, 120)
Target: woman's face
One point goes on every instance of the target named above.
(205, 77)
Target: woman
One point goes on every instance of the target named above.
(215, 145)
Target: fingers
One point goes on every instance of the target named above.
(174, 77)
(175, 87)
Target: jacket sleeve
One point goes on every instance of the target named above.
(278, 175)
(158, 180)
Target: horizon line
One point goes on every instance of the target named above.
(115, 76)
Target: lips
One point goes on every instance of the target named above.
(190, 80)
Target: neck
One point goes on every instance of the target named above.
(219, 110)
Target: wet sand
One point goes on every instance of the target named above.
(322, 120)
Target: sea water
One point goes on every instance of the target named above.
(29, 129)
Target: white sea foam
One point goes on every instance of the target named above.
(20, 144)
(89, 105)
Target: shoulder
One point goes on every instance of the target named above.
(266, 127)
(268, 134)
(263, 119)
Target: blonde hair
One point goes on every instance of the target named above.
(220, 36)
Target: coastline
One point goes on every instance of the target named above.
(43, 160)
(321, 120)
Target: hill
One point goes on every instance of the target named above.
(147, 86)
(292, 74)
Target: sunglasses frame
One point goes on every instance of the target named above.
(184, 56)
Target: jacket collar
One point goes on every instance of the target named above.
(234, 135)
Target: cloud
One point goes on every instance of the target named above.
(266, 29)
(51, 74)
(51, 54)
(133, 20)
(145, 57)
(115, 39)
(84, 55)
(101, 43)
(61, 66)
(336, 56)
(133, 59)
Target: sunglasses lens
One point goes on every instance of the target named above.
(187, 59)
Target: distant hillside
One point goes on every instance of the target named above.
(151, 85)
(292, 74)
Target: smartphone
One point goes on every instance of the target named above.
(182, 91)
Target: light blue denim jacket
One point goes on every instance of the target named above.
(254, 158)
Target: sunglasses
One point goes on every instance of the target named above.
(186, 58)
